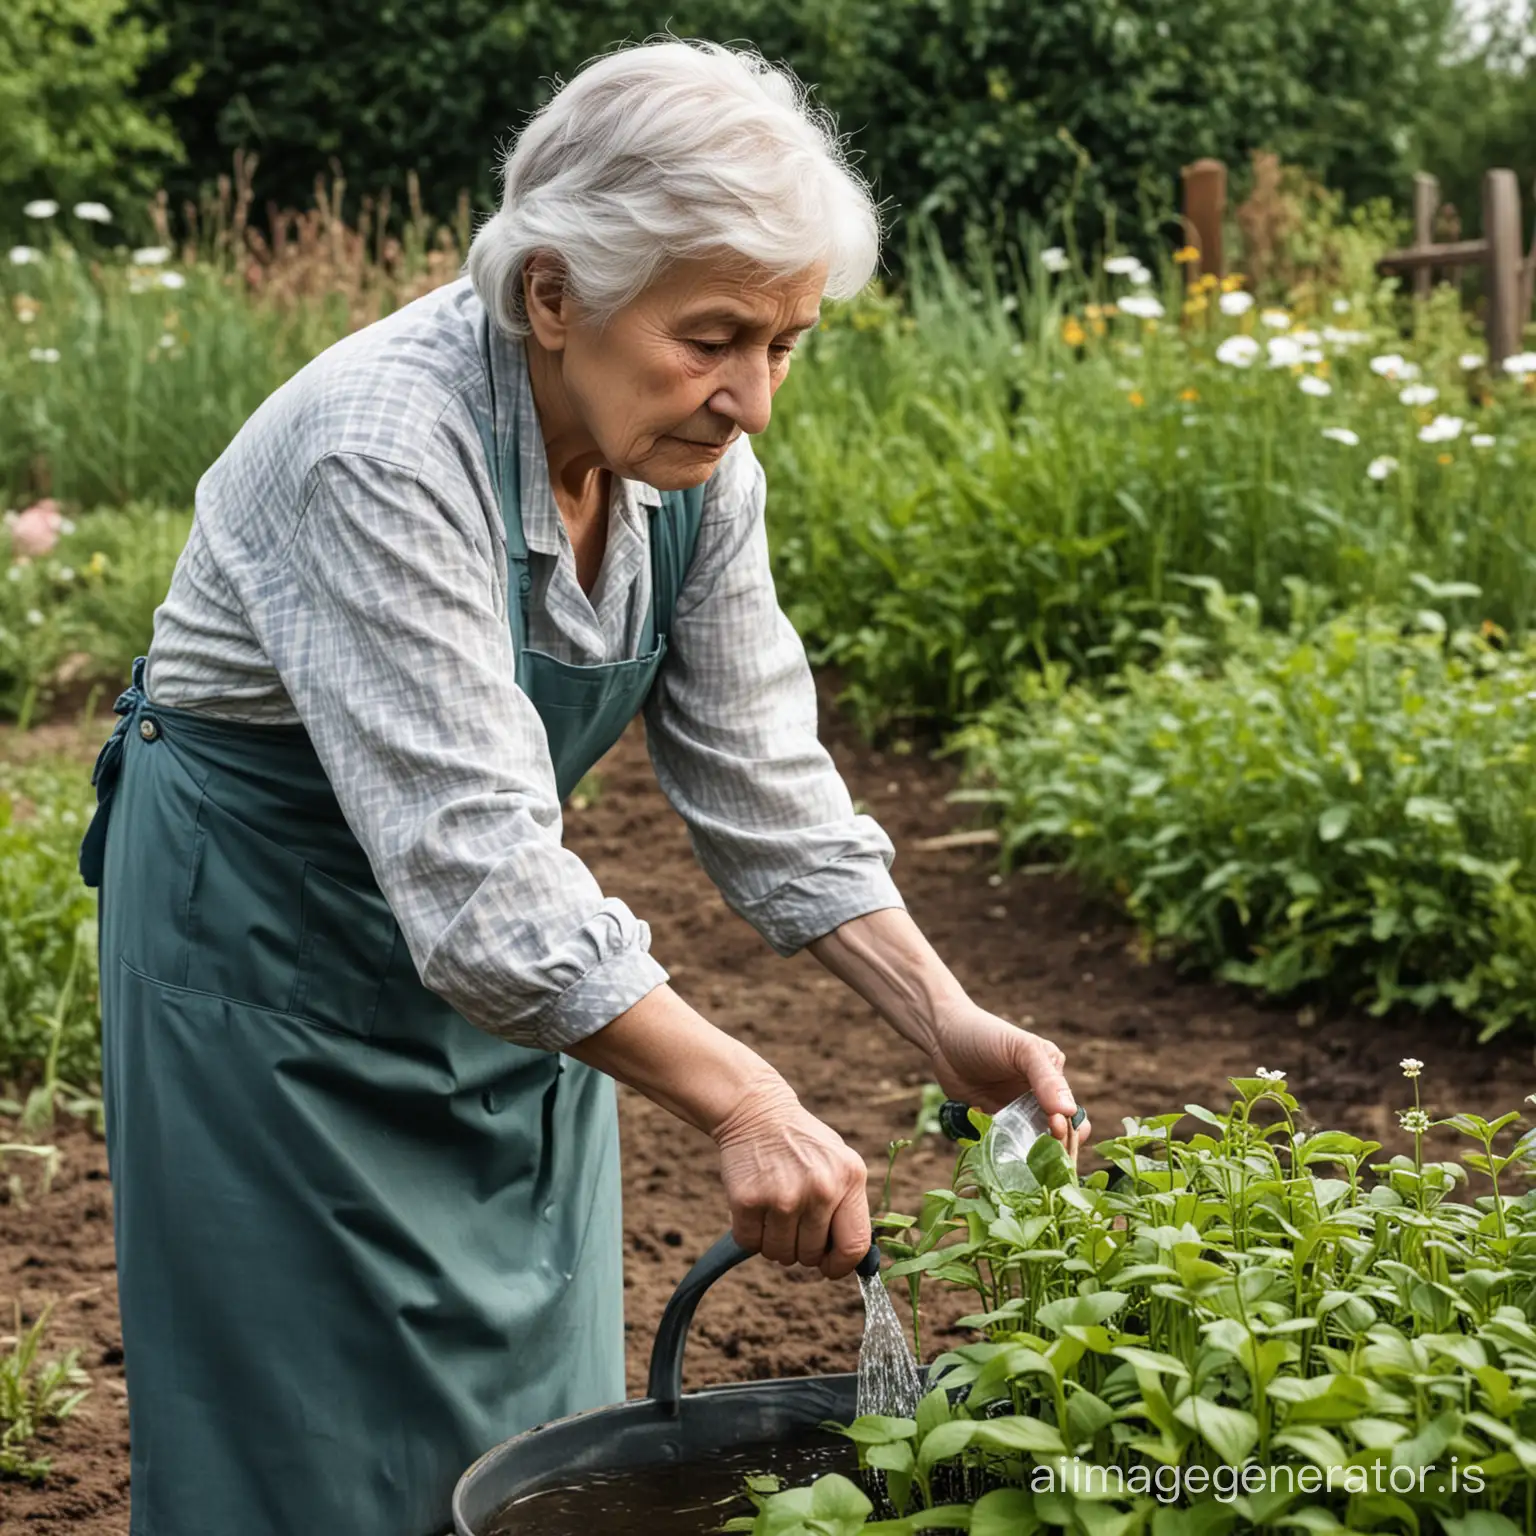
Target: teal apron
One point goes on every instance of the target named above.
(359, 1241)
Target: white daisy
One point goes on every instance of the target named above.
(1317, 387)
(1141, 306)
(1236, 303)
(1237, 351)
(1419, 394)
(93, 213)
(41, 208)
(1380, 468)
(1342, 435)
(1054, 259)
(1442, 429)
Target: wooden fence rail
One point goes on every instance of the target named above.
(1509, 269)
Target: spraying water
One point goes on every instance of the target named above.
(888, 1380)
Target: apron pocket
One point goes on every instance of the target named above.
(346, 942)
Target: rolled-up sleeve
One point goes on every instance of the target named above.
(731, 728)
(383, 621)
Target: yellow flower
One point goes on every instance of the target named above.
(1097, 327)
(1231, 282)
(1072, 333)
(1137, 399)
(1186, 254)
(1321, 369)
(1189, 396)
(1092, 311)
(97, 563)
(1446, 458)
(1208, 283)
(1196, 304)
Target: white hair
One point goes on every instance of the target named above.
(667, 150)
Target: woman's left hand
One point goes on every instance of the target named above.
(987, 1062)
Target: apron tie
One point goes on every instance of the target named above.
(104, 776)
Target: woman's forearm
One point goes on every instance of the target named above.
(672, 1054)
(884, 957)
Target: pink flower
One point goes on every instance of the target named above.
(35, 531)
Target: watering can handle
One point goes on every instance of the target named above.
(665, 1386)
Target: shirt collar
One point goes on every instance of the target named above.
(541, 517)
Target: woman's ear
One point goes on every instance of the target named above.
(545, 300)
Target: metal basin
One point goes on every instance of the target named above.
(667, 1425)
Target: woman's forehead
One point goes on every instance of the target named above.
(734, 291)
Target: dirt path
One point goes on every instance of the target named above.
(1138, 1041)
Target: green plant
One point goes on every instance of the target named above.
(1238, 1330)
(993, 477)
(1345, 808)
(34, 1394)
(70, 127)
(48, 984)
(80, 615)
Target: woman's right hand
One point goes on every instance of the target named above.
(797, 1191)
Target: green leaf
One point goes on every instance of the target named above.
(1047, 1160)
(1230, 1432)
(1333, 823)
(1019, 1433)
(1081, 1311)
(1480, 1522)
(875, 1429)
(1152, 1360)
(833, 1497)
(1005, 1512)
(943, 1442)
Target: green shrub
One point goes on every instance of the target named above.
(1247, 1332)
(958, 109)
(81, 614)
(48, 988)
(70, 128)
(1347, 808)
(992, 478)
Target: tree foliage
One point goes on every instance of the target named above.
(70, 126)
(961, 109)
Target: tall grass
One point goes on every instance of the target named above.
(122, 381)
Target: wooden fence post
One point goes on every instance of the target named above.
(1528, 274)
(1426, 198)
(1205, 209)
(1505, 268)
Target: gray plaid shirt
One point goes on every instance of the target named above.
(347, 569)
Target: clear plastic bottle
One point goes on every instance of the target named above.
(1005, 1148)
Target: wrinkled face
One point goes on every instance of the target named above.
(668, 384)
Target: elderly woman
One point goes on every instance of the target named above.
(363, 1013)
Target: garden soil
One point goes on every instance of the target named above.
(1138, 1040)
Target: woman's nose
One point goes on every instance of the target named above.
(745, 395)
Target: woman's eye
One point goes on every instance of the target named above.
(780, 352)
(710, 348)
